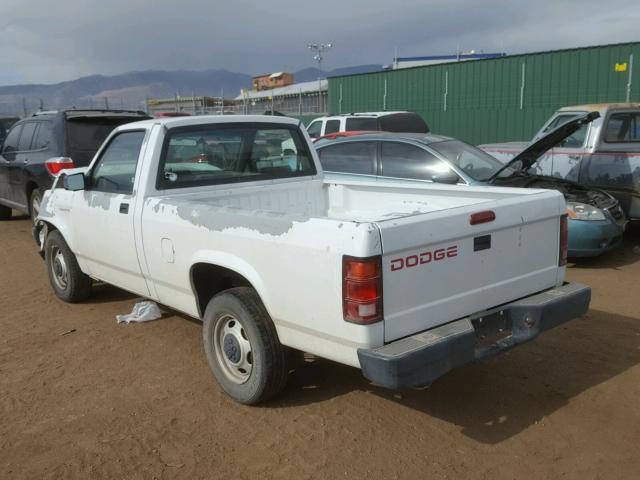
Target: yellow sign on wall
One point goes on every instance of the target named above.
(621, 67)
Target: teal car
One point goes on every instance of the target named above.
(596, 220)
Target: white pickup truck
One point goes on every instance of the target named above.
(229, 220)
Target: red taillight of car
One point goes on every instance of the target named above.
(482, 217)
(56, 165)
(362, 289)
(564, 241)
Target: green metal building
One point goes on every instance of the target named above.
(499, 99)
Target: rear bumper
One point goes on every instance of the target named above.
(418, 360)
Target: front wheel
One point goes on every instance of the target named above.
(242, 346)
(69, 283)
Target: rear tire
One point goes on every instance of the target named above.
(242, 347)
(69, 283)
(5, 213)
(34, 204)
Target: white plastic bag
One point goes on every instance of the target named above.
(142, 312)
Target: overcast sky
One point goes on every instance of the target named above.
(46, 41)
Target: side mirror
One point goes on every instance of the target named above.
(74, 182)
(449, 177)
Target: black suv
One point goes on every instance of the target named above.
(37, 148)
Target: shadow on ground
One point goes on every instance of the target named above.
(494, 400)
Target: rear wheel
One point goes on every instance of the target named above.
(242, 347)
(69, 283)
(5, 213)
(34, 204)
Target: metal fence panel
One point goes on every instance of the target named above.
(498, 99)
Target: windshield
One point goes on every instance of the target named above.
(475, 163)
(576, 139)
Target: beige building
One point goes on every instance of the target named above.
(273, 80)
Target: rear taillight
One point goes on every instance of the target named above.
(362, 289)
(564, 240)
(57, 164)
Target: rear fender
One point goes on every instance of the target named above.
(238, 265)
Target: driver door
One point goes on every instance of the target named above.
(568, 155)
(102, 215)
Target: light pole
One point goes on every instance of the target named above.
(318, 48)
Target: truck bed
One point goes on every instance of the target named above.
(318, 222)
(346, 201)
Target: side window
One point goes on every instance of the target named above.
(352, 157)
(44, 137)
(27, 135)
(408, 161)
(576, 139)
(11, 142)
(115, 170)
(332, 126)
(314, 129)
(623, 127)
(361, 123)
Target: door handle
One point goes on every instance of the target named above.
(574, 157)
(124, 208)
(26, 161)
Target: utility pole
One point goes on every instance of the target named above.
(319, 48)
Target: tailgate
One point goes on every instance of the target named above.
(438, 268)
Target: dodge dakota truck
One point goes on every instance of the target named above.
(229, 220)
(603, 154)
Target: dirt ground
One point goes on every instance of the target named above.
(138, 401)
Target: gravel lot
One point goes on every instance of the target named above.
(138, 401)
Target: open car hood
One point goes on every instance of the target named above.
(533, 152)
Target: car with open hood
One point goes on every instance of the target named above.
(602, 154)
(596, 220)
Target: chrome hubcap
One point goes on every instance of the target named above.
(233, 349)
(59, 269)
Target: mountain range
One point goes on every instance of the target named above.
(129, 90)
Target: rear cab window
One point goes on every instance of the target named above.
(230, 153)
